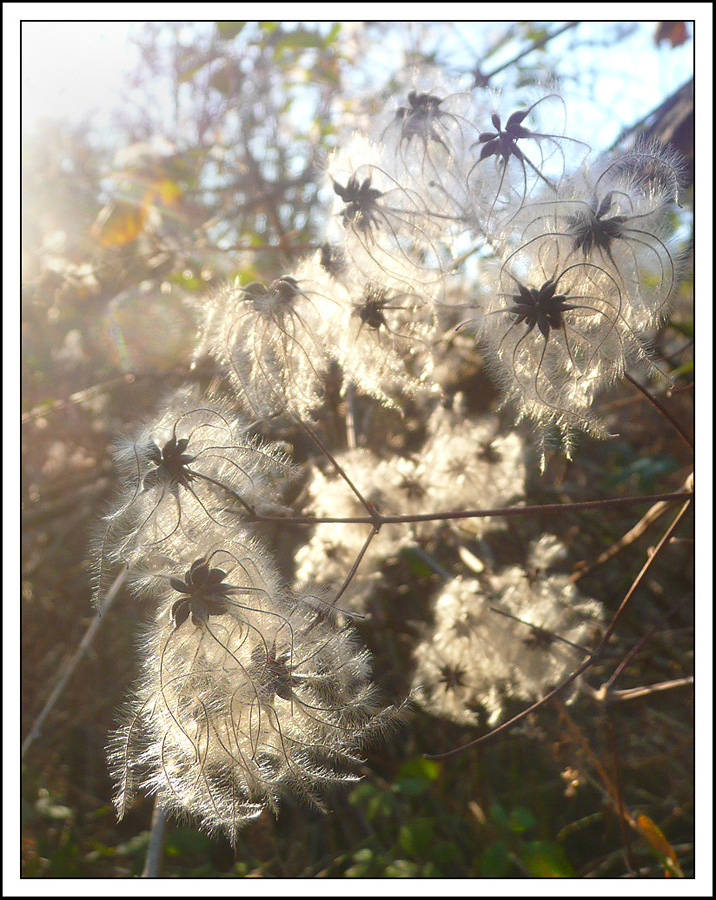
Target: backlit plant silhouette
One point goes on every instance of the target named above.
(464, 219)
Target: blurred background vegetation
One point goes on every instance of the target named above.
(210, 168)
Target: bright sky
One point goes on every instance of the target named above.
(72, 68)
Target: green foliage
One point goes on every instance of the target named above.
(645, 472)
(228, 30)
(415, 836)
(513, 852)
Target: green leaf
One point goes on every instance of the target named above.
(415, 776)
(376, 803)
(205, 870)
(417, 837)
(420, 767)
(100, 852)
(361, 794)
(187, 842)
(229, 30)
(188, 281)
(250, 273)
(101, 812)
(430, 870)
(520, 820)
(332, 34)
(300, 40)
(135, 845)
(416, 561)
(364, 864)
(545, 859)
(498, 815)
(535, 34)
(686, 369)
(647, 471)
(402, 868)
(494, 861)
(413, 787)
(380, 806)
(446, 855)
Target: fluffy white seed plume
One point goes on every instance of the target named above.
(248, 691)
(617, 215)
(427, 136)
(333, 548)
(385, 225)
(270, 340)
(515, 634)
(195, 468)
(520, 150)
(555, 333)
(468, 465)
(463, 665)
(383, 343)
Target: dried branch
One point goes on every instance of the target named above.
(71, 664)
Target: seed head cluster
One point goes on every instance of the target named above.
(462, 221)
(514, 633)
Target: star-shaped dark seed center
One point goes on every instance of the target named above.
(172, 463)
(541, 306)
(206, 594)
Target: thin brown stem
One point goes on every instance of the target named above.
(551, 635)
(662, 409)
(355, 565)
(252, 512)
(51, 406)
(625, 832)
(483, 80)
(377, 518)
(607, 687)
(605, 693)
(672, 392)
(647, 520)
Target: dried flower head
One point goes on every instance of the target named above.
(196, 467)
(387, 230)
(525, 148)
(333, 548)
(383, 345)
(269, 338)
(618, 216)
(248, 691)
(467, 465)
(555, 335)
(426, 141)
(515, 634)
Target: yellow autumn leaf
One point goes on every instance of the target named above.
(651, 831)
(167, 191)
(119, 223)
